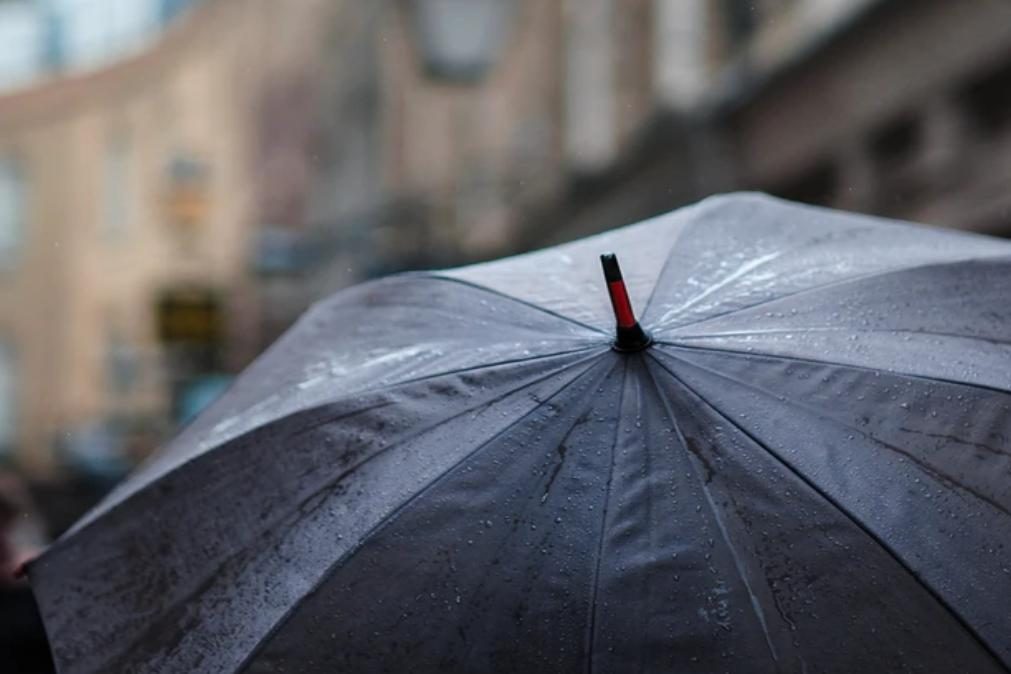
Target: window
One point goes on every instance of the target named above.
(590, 105)
(116, 189)
(816, 186)
(897, 142)
(895, 149)
(742, 19)
(987, 100)
(459, 40)
(12, 188)
(22, 34)
(8, 403)
(121, 364)
(188, 191)
(91, 34)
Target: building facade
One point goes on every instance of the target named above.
(902, 110)
(468, 127)
(128, 211)
(174, 192)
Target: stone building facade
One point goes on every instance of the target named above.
(128, 211)
(904, 111)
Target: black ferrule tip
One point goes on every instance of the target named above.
(612, 272)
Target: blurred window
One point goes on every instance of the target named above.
(93, 32)
(191, 324)
(743, 18)
(815, 186)
(172, 8)
(116, 197)
(188, 191)
(898, 141)
(121, 364)
(8, 401)
(987, 100)
(23, 35)
(460, 39)
(12, 197)
(590, 110)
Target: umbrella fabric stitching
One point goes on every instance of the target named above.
(591, 623)
(848, 329)
(334, 401)
(829, 286)
(667, 263)
(945, 480)
(390, 517)
(816, 361)
(447, 373)
(717, 204)
(496, 293)
(740, 272)
(745, 269)
(735, 555)
(579, 419)
(298, 512)
(936, 595)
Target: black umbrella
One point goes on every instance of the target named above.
(808, 469)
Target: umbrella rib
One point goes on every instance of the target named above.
(498, 293)
(818, 361)
(743, 270)
(793, 331)
(316, 408)
(830, 285)
(659, 277)
(922, 465)
(756, 607)
(390, 517)
(591, 626)
(577, 418)
(834, 503)
(751, 265)
(447, 373)
(298, 511)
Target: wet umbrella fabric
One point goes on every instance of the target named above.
(808, 470)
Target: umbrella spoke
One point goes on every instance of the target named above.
(721, 527)
(591, 623)
(246, 563)
(459, 470)
(913, 376)
(300, 613)
(824, 511)
(513, 298)
(879, 498)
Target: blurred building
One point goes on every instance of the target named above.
(893, 107)
(179, 180)
(458, 130)
(896, 107)
(128, 211)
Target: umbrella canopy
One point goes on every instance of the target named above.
(799, 462)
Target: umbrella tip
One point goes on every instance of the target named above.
(629, 335)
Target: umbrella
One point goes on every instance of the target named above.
(799, 462)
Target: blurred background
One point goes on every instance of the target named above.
(179, 179)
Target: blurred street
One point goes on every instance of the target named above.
(181, 179)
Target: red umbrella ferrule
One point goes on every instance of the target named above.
(629, 335)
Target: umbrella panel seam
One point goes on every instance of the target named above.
(852, 518)
(595, 583)
(297, 513)
(393, 514)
